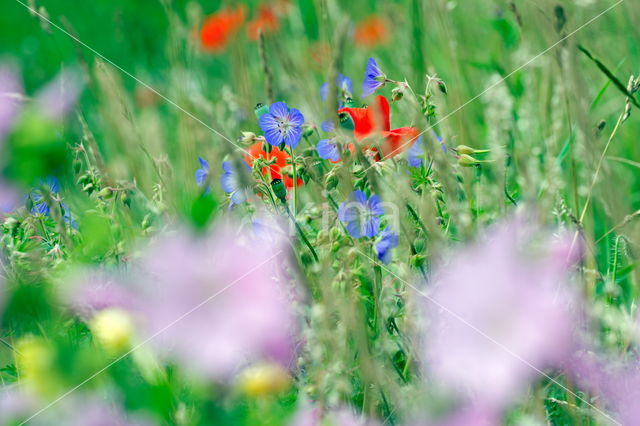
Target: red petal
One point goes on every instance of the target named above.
(256, 151)
(371, 119)
(397, 140)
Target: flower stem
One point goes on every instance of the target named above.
(304, 238)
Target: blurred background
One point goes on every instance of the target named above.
(118, 99)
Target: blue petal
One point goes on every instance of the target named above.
(238, 197)
(267, 122)
(293, 137)
(295, 117)
(349, 212)
(344, 84)
(373, 70)
(201, 176)
(274, 136)
(353, 228)
(279, 109)
(416, 153)
(388, 241)
(40, 208)
(203, 163)
(53, 183)
(324, 91)
(328, 150)
(375, 205)
(228, 182)
(371, 227)
(369, 86)
(358, 196)
(327, 126)
(227, 166)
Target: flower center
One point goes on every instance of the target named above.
(283, 125)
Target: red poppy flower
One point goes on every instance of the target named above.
(371, 119)
(219, 27)
(375, 118)
(282, 160)
(371, 32)
(266, 21)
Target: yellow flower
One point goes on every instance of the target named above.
(264, 379)
(35, 360)
(113, 328)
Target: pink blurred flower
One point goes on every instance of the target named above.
(475, 415)
(89, 291)
(216, 302)
(618, 383)
(310, 415)
(10, 87)
(59, 96)
(9, 198)
(17, 405)
(498, 311)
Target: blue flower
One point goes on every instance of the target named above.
(374, 78)
(328, 150)
(388, 241)
(39, 204)
(416, 153)
(327, 126)
(282, 124)
(345, 88)
(67, 216)
(202, 174)
(361, 215)
(230, 183)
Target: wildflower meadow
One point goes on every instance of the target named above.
(319, 212)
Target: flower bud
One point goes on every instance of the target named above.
(467, 161)
(335, 233)
(417, 260)
(442, 86)
(322, 237)
(247, 138)
(260, 110)
(307, 130)
(113, 328)
(106, 193)
(463, 149)
(331, 181)
(396, 94)
(264, 379)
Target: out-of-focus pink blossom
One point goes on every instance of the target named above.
(476, 415)
(10, 88)
(498, 311)
(310, 415)
(90, 291)
(216, 302)
(17, 405)
(618, 384)
(60, 95)
(9, 198)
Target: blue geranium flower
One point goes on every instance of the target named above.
(39, 204)
(282, 124)
(230, 183)
(202, 174)
(416, 153)
(361, 215)
(328, 150)
(345, 88)
(388, 241)
(374, 78)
